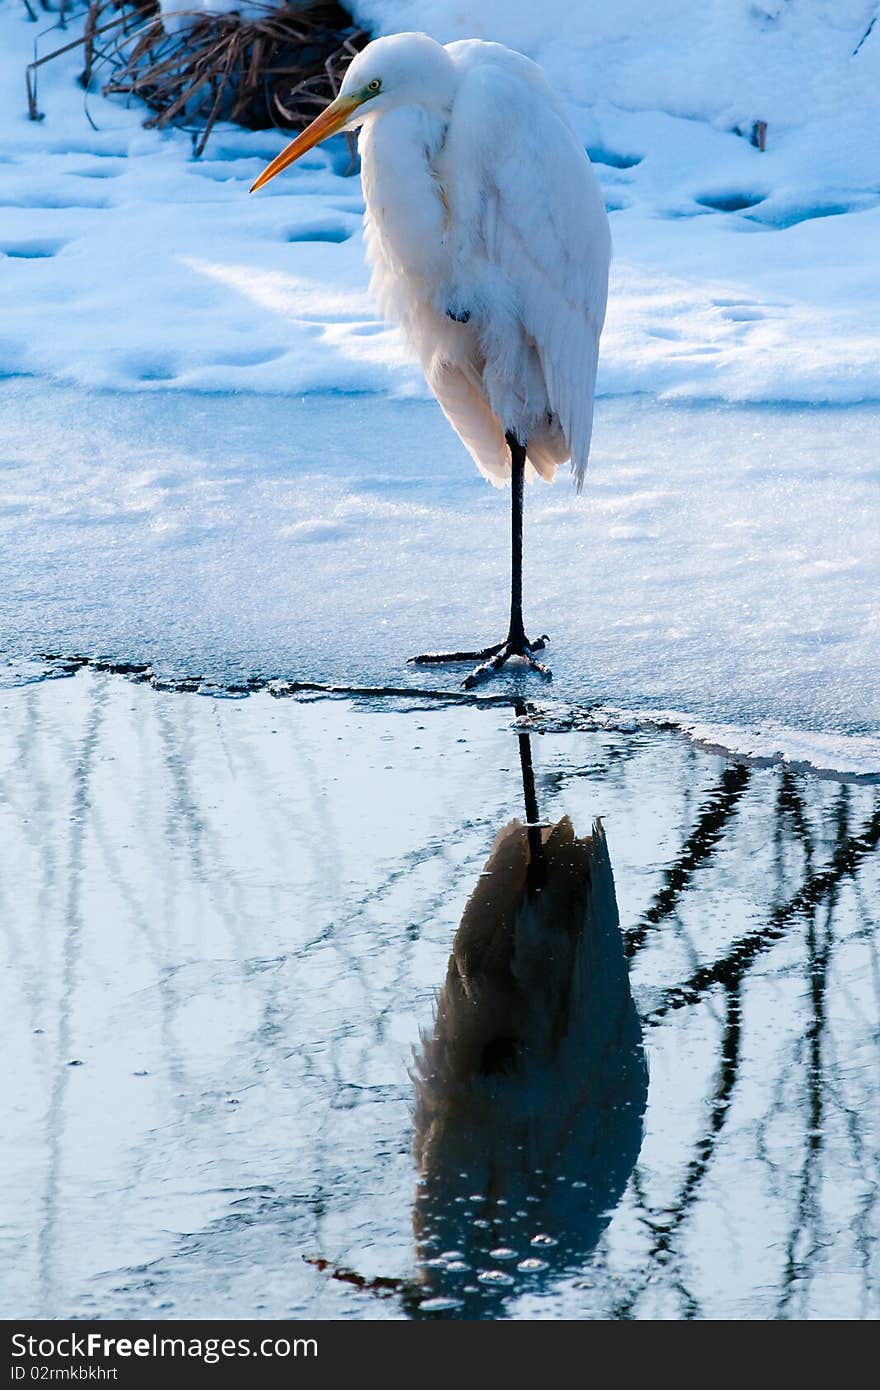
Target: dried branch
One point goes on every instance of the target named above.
(277, 69)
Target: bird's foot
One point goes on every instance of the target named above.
(491, 659)
(520, 647)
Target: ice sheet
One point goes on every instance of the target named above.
(721, 562)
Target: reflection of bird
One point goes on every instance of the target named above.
(489, 244)
(531, 1089)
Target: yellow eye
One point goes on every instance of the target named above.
(374, 85)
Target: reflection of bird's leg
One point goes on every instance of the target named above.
(536, 875)
(516, 643)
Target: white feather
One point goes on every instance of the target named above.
(482, 204)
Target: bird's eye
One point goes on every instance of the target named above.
(374, 85)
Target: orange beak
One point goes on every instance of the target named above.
(322, 127)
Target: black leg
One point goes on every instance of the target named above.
(516, 631)
(516, 643)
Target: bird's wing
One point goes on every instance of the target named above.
(527, 212)
(467, 410)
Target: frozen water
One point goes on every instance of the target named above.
(234, 916)
(722, 562)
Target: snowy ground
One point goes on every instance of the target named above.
(215, 290)
(227, 921)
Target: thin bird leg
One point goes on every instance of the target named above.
(516, 643)
(516, 633)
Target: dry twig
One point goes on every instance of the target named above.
(276, 69)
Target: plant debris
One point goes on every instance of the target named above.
(274, 69)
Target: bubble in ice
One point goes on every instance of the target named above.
(531, 1265)
(439, 1304)
(495, 1276)
(502, 1252)
(542, 1239)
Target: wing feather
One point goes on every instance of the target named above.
(530, 240)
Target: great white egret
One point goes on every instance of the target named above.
(489, 245)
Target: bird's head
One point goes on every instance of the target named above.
(400, 70)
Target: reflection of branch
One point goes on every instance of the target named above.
(727, 1076)
(665, 1228)
(817, 888)
(818, 964)
(807, 1214)
(790, 805)
(697, 848)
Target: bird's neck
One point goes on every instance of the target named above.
(405, 199)
(397, 137)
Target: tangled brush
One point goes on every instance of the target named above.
(275, 65)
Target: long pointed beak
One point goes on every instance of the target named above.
(322, 127)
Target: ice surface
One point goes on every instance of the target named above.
(224, 923)
(721, 562)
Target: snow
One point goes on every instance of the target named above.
(196, 477)
(724, 62)
(177, 13)
(222, 291)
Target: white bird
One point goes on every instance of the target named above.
(489, 245)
